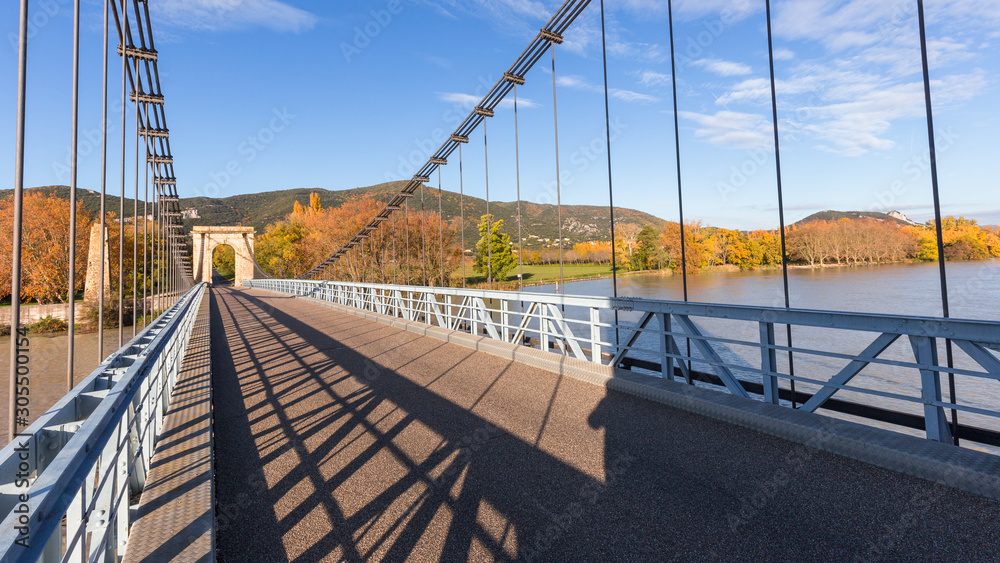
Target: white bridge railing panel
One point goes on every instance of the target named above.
(85, 460)
(740, 352)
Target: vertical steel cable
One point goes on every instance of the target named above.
(781, 203)
(145, 220)
(121, 201)
(104, 188)
(942, 270)
(441, 227)
(677, 156)
(406, 217)
(161, 246)
(489, 227)
(555, 122)
(15, 274)
(423, 234)
(135, 210)
(611, 189)
(395, 255)
(381, 248)
(517, 178)
(74, 138)
(677, 147)
(461, 208)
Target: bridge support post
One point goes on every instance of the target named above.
(935, 422)
(768, 362)
(666, 362)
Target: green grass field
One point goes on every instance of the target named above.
(547, 272)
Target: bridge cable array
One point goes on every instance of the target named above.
(549, 35)
(165, 268)
(547, 38)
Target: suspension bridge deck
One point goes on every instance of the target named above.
(338, 438)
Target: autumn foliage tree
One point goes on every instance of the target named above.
(44, 247)
(394, 253)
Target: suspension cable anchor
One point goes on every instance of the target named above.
(513, 78)
(551, 36)
(146, 98)
(147, 132)
(138, 53)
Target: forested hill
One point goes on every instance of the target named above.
(580, 222)
(830, 215)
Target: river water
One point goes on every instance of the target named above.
(903, 289)
(47, 363)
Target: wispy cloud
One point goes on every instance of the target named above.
(689, 9)
(723, 68)
(732, 129)
(435, 60)
(783, 54)
(652, 78)
(469, 101)
(579, 83)
(220, 15)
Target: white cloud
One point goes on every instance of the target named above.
(653, 78)
(469, 101)
(783, 54)
(732, 129)
(579, 83)
(859, 125)
(218, 15)
(723, 68)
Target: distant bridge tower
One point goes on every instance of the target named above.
(206, 239)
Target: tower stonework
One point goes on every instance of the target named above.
(92, 286)
(206, 239)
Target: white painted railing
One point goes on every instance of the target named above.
(67, 483)
(834, 352)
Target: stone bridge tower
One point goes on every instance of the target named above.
(206, 239)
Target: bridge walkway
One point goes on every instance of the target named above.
(338, 438)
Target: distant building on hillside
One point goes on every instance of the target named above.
(900, 217)
(190, 213)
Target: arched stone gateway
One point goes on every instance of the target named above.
(206, 239)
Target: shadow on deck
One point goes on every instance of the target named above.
(341, 439)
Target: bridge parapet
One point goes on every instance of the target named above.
(89, 454)
(887, 364)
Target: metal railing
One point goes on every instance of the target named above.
(884, 362)
(71, 478)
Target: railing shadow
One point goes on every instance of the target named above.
(345, 433)
(324, 454)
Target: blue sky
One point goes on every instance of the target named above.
(269, 94)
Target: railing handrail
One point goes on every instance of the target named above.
(555, 319)
(55, 487)
(932, 327)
